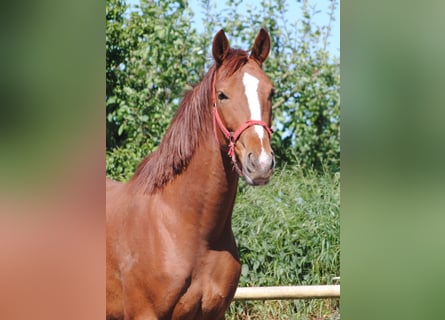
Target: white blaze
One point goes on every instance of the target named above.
(251, 87)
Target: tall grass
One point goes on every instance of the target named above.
(288, 233)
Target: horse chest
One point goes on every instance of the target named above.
(211, 289)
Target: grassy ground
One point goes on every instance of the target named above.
(288, 233)
(326, 309)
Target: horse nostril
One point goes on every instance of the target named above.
(250, 162)
(272, 165)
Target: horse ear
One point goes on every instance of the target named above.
(261, 47)
(220, 47)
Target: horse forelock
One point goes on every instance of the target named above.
(235, 59)
(192, 120)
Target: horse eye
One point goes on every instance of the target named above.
(222, 96)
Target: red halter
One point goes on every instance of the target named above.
(231, 136)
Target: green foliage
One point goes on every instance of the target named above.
(288, 233)
(151, 57)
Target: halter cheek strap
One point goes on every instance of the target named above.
(231, 136)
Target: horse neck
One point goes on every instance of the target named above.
(205, 192)
(189, 172)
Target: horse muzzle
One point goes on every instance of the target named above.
(257, 169)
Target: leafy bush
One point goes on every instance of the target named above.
(150, 61)
(288, 233)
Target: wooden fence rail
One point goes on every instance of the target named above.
(289, 292)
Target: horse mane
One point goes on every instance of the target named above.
(190, 122)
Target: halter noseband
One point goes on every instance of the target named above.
(231, 136)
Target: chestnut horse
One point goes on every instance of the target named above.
(171, 253)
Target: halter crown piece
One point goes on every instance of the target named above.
(231, 136)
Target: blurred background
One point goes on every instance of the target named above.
(53, 145)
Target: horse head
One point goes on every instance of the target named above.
(242, 103)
